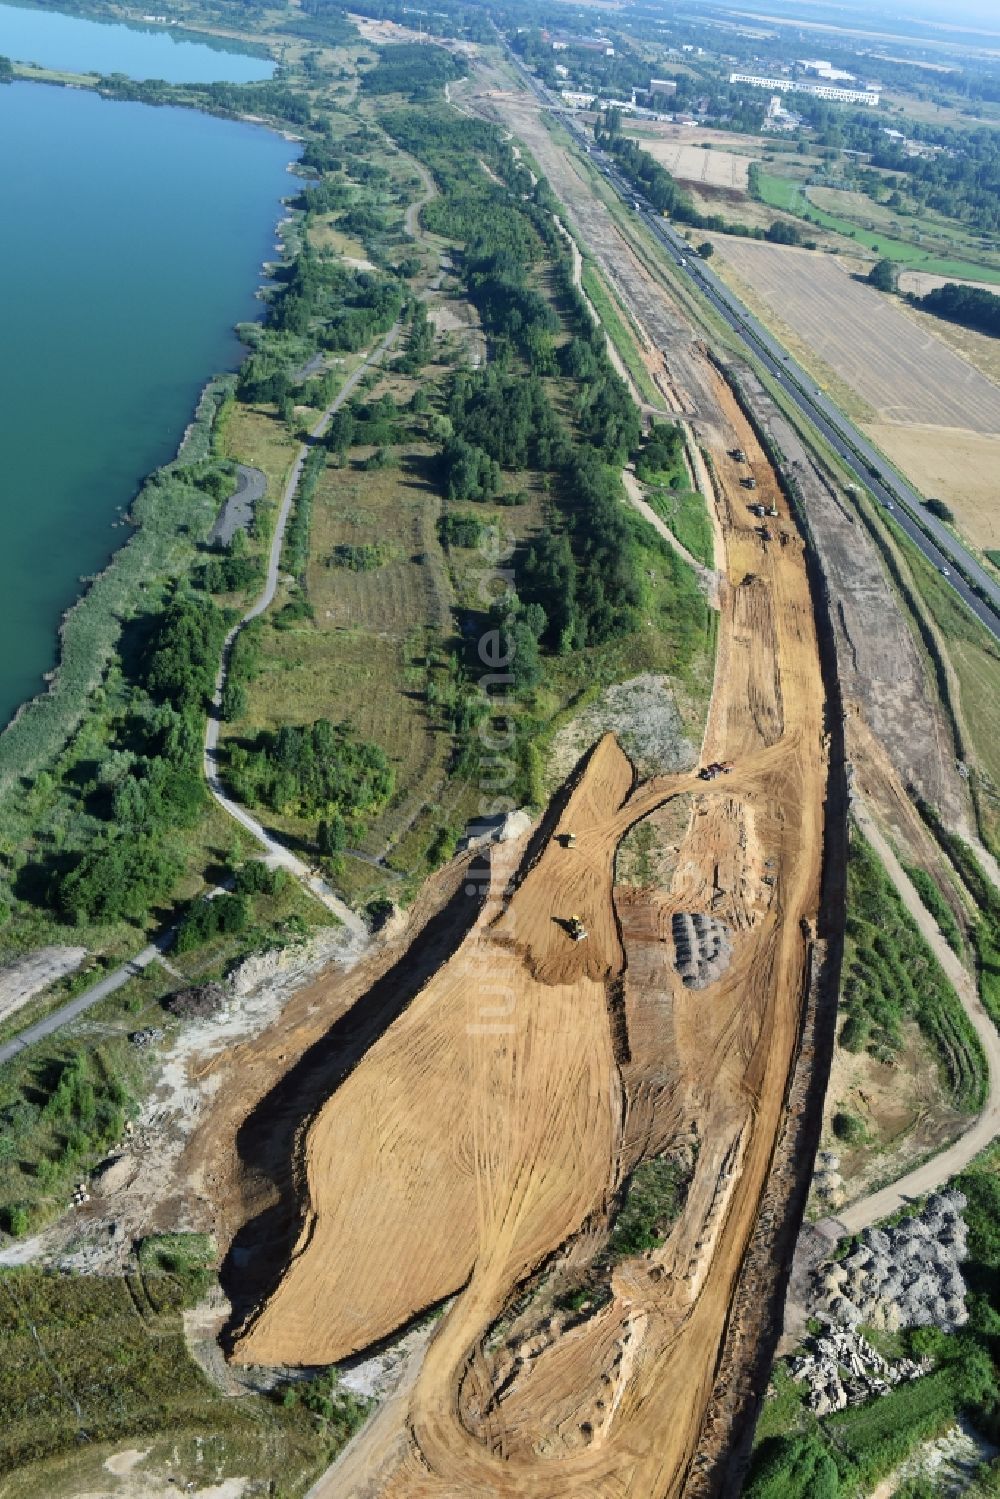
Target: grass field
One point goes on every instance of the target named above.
(787, 194)
(929, 231)
(95, 1360)
(684, 512)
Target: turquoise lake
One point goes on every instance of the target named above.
(72, 45)
(133, 242)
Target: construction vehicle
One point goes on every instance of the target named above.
(568, 840)
(757, 510)
(715, 768)
(764, 532)
(749, 482)
(576, 929)
(737, 455)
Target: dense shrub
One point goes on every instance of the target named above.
(316, 768)
(205, 919)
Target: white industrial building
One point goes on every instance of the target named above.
(826, 71)
(868, 96)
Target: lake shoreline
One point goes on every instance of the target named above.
(44, 722)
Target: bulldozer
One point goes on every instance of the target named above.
(576, 929)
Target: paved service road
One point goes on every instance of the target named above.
(91, 996)
(961, 569)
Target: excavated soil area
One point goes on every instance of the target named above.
(490, 1123)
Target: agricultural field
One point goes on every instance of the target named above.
(690, 163)
(959, 467)
(932, 412)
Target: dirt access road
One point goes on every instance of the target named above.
(490, 1125)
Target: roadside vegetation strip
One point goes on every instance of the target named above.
(594, 288)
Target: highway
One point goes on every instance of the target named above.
(871, 470)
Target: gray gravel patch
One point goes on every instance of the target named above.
(645, 717)
(237, 513)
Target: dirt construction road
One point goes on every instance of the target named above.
(491, 1124)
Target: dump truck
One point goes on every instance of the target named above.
(737, 455)
(749, 483)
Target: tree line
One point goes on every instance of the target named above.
(971, 306)
(660, 188)
(414, 69)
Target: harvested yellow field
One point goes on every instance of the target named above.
(959, 467)
(904, 372)
(698, 164)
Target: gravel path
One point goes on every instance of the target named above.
(84, 1001)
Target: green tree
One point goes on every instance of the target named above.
(340, 433)
(941, 510)
(884, 275)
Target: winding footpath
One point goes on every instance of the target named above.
(933, 1173)
(276, 853)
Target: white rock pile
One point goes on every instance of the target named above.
(905, 1276)
(841, 1369)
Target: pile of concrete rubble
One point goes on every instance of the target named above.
(843, 1369)
(907, 1275)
